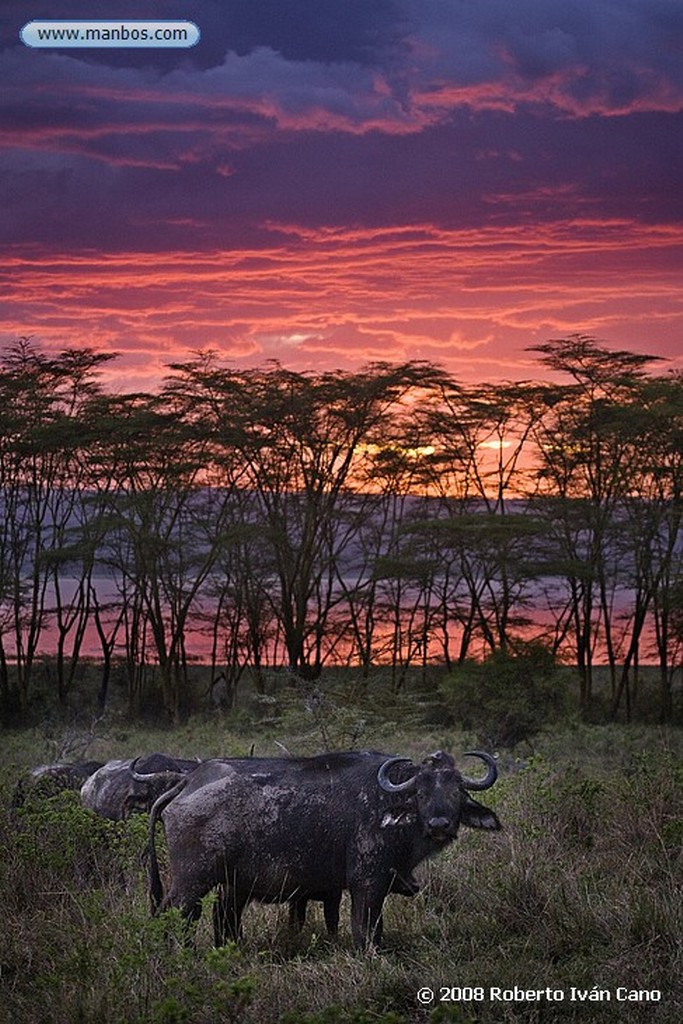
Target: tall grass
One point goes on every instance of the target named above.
(581, 890)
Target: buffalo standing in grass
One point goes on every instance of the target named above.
(277, 829)
(125, 787)
(121, 788)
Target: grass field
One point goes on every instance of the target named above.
(563, 916)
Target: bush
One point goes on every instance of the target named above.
(508, 697)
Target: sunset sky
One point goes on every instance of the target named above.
(328, 182)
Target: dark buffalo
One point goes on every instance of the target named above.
(222, 913)
(121, 788)
(297, 904)
(277, 829)
(47, 780)
(224, 930)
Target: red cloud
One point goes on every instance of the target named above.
(472, 297)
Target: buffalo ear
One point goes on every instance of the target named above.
(475, 815)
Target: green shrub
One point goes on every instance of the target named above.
(57, 843)
(508, 697)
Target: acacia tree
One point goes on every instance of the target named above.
(76, 522)
(406, 578)
(370, 581)
(303, 516)
(391, 592)
(481, 435)
(651, 526)
(298, 439)
(239, 614)
(161, 537)
(43, 433)
(584, 448)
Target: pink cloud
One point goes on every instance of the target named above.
(463, 298)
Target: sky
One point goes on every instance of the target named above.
(330, 183)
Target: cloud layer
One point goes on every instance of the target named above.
(438, 178)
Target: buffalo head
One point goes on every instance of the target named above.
(439, 793)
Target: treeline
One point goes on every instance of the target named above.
(265, 517)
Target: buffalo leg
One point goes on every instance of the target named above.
(331, 903)
(227, 915)
(366, 918)
(297, 912)
(218, 915)
(331, 911)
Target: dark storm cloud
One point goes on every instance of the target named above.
(448, 111)
(321, 30)
(588, 55)
(596, 54)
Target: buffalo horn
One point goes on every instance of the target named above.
(393, 787)
(491, 774)
(146, 776)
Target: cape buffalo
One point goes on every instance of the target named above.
(123, 787)
(277, 829)
(46, 780)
